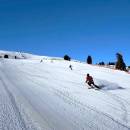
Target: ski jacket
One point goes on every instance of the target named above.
(89, 79)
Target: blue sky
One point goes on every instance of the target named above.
(79, 28)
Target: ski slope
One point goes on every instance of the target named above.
(47, 95)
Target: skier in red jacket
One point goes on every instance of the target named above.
(90, 82)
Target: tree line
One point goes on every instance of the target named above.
(119, 64)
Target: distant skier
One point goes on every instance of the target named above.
(90, 82)
(41, 61)
(71, 67)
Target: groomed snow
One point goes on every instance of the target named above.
(47, 95)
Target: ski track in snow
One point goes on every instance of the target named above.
(20, 120)
(122, 105)
(75, 113)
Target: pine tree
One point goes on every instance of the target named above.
(66, 57)
(120, 65)
(101, 63)
(89, 60)
(6, 56)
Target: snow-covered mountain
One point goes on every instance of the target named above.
(47, 95)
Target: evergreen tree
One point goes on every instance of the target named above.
(66, 57)
(101, 63)
(120, 65)
(89, 60)
(6, 56)
(111, 63)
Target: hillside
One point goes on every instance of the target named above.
(48, 95)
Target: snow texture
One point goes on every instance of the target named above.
(48, 95)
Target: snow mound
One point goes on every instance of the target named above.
(13, 55)
(21, 55)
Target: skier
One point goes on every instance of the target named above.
(90, 82)
(41, 61)
(70, 67)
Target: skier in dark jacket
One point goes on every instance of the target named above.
(90, 82)
(71, 67)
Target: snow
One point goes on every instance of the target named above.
(48, 95)
(21, 55)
